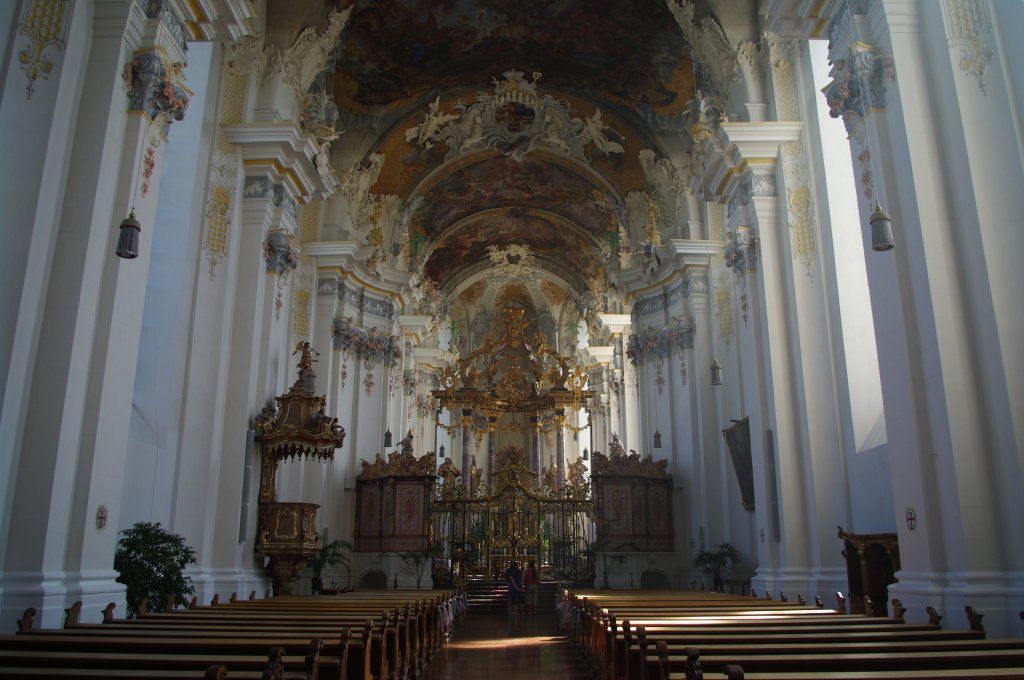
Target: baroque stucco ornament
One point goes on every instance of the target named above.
(513, 120)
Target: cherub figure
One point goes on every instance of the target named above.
(307, 359)
(423, 134)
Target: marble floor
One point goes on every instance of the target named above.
(499, 646)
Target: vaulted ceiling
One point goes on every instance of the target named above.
(616, 76)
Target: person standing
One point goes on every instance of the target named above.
(532, 581)
(514, 580)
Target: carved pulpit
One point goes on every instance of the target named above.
(298, 427)
(393, 502)
(632, 501)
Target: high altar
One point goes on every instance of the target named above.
(563, 517)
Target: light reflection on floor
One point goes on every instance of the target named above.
(502, 643)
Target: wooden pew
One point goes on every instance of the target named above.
(392, 646)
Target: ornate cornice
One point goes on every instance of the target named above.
(215, 20)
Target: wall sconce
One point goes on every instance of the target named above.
(128, 238)
(387, 438)
(440, 452)
(657, 438)
(716, 372)
(881, 230)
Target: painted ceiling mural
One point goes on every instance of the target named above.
(394, 52)
(500, 182)
(553, 245)
(510, 124)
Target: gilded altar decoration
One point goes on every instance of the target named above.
(515, 515)
(511, 374)
(298, 427)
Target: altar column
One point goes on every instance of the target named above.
(535, 462)
(467, 436)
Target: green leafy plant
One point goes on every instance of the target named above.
(415, 563)
(716, 562)
(333, 554)
(151, 562)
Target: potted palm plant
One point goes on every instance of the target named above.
(716, 562)
(333, 554)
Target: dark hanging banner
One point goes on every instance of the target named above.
(737, 438)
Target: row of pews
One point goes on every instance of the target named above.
(360, 635)
(683, 635)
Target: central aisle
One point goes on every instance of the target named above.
(498, 646)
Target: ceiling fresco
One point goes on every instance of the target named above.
(500, 182)
(555, 247)
(393, 52)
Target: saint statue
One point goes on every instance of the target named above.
(474, 477)
(615, 448)
(406, 444)
(448, 472)
(577, 473)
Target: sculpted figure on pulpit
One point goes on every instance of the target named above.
(405, 446)
(615, 448)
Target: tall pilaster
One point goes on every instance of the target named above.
(89, 325)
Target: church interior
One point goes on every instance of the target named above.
(657, 295)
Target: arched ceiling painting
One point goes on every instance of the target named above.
(623, 62)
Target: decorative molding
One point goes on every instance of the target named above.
(764, 186)
(648, 305)
(307, 56)
(154, 87)
(696, 283)
(796, 171)
(263, 187)
(250, 54)
(723, 309)
(742, 250)
(968, 25)
(749, 56)
(220, 191)
(354, 185)
(327, 287)
(858, 84)
(513, 120)
(280, 253)
(710, 48)
(359, 301)
(163, 12)
(366, 344)
(661, 342)
(44, 23)
(667, 182)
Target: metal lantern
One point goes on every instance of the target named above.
(128, 238)
(716, 372)
(387, 438)
(657, 439)
(586, 453)
(881, 230)
(440, 453)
